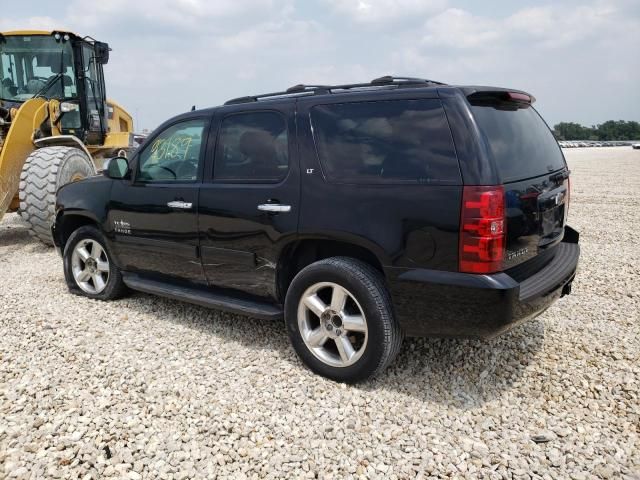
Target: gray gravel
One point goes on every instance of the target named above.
(150, 388)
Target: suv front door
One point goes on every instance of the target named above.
(154, 217)
(249, 207)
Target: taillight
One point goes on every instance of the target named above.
(482, 229)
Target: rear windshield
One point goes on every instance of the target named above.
(521, 143)
(391, 141)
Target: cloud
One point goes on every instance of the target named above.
(169, 54)
(562, 54)
(276, 34)
(547, 27)
(385, 11)
(556, 26)
(460, 29)
(35, 23)
(192, 16)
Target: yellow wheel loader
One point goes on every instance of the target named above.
(56, 124)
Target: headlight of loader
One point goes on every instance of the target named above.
(66, 107)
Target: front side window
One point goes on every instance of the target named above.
(174, 155)
(391, 141)
(36, 65)
(252, 147)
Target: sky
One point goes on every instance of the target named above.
(581, 60)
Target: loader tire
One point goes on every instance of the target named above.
(44, 172)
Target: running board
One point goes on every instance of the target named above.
(204, 298)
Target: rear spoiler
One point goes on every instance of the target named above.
(499, 97)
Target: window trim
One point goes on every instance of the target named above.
(250, 181)
(391, 182)
(147, 144)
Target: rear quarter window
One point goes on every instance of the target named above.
(520, 142)
(393, 141)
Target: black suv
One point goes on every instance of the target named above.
(361, 213)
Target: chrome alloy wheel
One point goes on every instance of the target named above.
(90, 266)
(332, 324)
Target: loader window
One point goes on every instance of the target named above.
(36, 64)
(93, 89)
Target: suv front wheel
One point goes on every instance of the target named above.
(88, 266)
(340, 319)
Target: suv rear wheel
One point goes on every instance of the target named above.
(340, 319)
(88, 266)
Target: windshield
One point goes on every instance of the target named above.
(35, 64)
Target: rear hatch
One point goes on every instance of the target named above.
(533, 171)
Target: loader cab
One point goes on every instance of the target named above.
(58, 66)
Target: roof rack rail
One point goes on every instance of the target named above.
(390, 79)
(387, 81)
(255, 98)
(304, 88)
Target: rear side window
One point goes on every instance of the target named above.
(395, 141)
(521, 143)
(252, 146)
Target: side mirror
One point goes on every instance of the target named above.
(116, 168)
(102, 52)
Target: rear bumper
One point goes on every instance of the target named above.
(450, 304)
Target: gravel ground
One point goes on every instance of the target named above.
(150, 388)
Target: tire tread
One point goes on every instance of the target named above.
(38, 186)
(116, 287)
(372, 281)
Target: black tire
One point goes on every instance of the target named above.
(115, 287)
(367, 287)
(44, 171)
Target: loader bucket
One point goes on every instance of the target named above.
(17, 146)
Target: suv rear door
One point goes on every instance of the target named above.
(381, 172)
(248, 207)
(530, 164)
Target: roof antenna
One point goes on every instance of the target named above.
(193, 108)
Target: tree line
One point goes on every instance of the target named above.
(610, 130)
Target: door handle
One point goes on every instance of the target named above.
(274, 207)
(180, 204)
